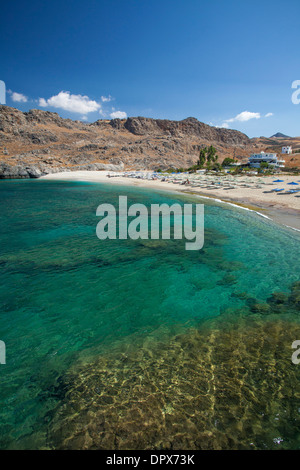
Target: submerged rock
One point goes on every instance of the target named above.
(229, 384)
(294, 298)
(228, 280)
(262, 308)
(278, 298)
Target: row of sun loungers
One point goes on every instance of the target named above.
(208, 181)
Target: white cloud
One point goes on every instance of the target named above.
(18, 97)
(225, 125)
(244, 116)
(269, 115)
(84, 118)
(42, 102)
(73, 103)
(118, 115)
(106, 99)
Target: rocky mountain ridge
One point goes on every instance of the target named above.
(39, 142)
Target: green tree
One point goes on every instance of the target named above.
(211, 156)
(217, 166)
(202, 157)
(227, 161)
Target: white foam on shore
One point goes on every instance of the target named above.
(293, 228)
(236, 205)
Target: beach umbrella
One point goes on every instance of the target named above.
(278, 181)
(293, 183)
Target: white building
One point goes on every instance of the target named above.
(271, 158)
(287, 150)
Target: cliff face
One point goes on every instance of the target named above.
(39, 142)
(189, 127)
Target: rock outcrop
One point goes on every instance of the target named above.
(36, 171)
(187, 128)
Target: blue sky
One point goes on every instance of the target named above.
(227, 63)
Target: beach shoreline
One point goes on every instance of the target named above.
(282, 209)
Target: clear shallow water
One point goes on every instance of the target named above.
(68, 299)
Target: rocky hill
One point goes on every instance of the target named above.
(279, 135)
(39, 142)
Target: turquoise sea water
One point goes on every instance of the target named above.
(67, 298)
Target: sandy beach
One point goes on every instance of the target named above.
(282, 208)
